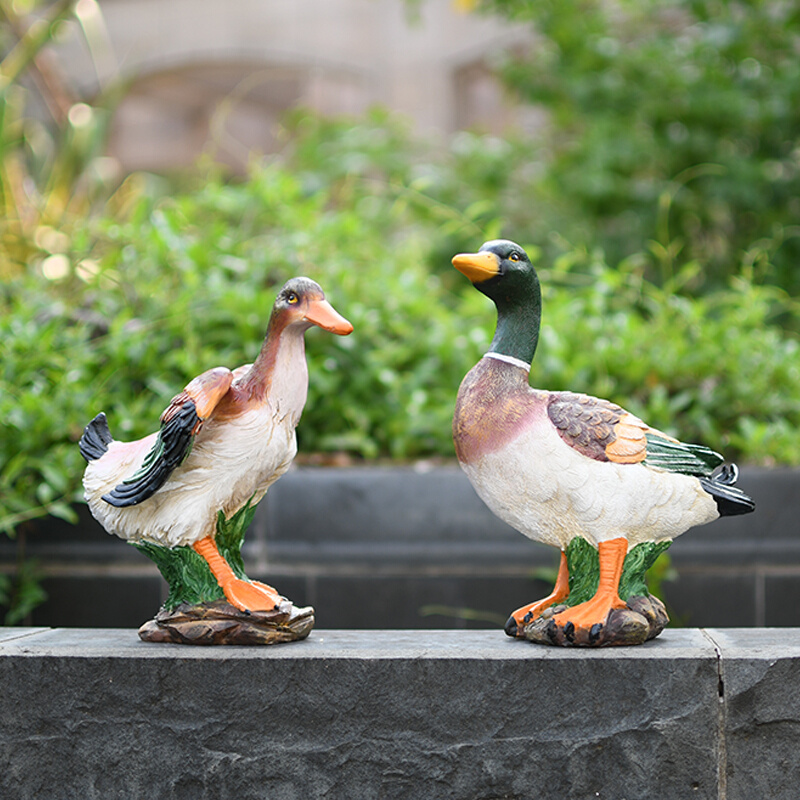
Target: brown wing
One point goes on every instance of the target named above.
(598, 428)
(180, 423)
(205, 391)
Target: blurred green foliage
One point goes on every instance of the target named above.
(187, 283)
(673, 130)
(52, 167)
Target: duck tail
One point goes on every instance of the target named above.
(730, 500)
(96, 438)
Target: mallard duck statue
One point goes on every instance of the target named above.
(223, 441)
(566, 468)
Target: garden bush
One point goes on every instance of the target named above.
(671, 121)
(187, 283)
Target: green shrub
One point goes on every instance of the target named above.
(187, 283)
(676, 121)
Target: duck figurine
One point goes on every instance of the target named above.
(223, 441)
(561, 465)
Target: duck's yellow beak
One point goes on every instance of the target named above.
(477, 266)
(323, 314)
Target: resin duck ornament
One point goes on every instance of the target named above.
(559, 466)
(223, 441)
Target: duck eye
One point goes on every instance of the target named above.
(514, 257)
(292, 298)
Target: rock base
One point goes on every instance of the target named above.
(643, 619)
(221, 623)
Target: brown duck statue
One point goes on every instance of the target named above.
(223, 441)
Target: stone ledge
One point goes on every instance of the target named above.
(399, 714)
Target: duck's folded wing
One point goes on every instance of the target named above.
(180, 423)
(597, 428)
(606, 432)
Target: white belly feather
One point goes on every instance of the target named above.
(229, 463)
(550, 492)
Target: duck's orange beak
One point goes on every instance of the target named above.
(323, 314)
(477, 266)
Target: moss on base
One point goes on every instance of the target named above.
(584, 570)
(186, 572)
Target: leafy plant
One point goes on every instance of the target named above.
(674, 122)
(52, 168)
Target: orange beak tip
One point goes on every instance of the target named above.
(477, 267)
(345, 329)
(325, 316)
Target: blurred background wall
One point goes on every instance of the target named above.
(202, 74)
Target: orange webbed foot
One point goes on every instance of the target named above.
(515, 626)
(266, 588)
(250, 596)
(588, 618)
(245, 595)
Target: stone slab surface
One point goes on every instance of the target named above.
(369, 714)
(94, 713)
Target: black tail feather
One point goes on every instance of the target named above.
(96, 438)
(730, 500)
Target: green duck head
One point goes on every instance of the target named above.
(503, 272)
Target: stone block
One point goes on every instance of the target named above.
(761, 688)
(422, 601)
(701, 596)
(782, 599)
(100, 600)
(91, 714)
(388, 514)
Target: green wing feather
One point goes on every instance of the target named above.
(172, 446)
(686, 459)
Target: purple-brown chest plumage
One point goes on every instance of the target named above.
(494, 404)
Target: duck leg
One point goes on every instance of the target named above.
(242, 594)
(522, 616)
(585, 616)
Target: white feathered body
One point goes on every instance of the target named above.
(552, 493)
(233, 459)
(531, 477)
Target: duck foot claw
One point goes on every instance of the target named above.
(594, 633)
(642, 618)
(517, 623)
